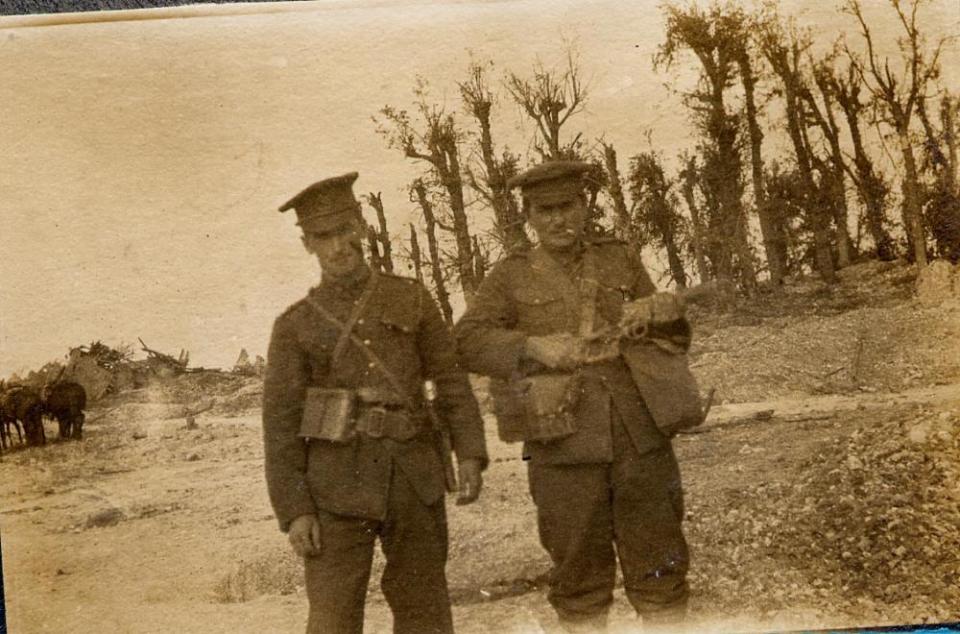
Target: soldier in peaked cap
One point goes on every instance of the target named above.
(350, 455)
(601, 469)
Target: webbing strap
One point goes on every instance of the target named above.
(349, 335)
(347, 328)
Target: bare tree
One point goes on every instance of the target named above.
(941, 200)
(742, 28)
(787, 192)
(419, 190)
(623, 222)
(784, 49)
(689, 179)
(657, 210)
(835, 173)
(711, 37)
(898, 96)
(871, 188)
(490, 181)
(549, 99)
(436, 143)
(381, 235)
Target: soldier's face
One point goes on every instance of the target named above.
(339, 251)
(558, 221)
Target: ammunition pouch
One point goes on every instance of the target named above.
(328, 414)
(338, 415)
(539, 408)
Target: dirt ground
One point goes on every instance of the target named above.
(822, 502)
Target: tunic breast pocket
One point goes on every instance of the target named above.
(398, 346)
(399, 330)
(399, 324)
(540, 311)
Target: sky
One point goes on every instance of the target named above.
(142, 162)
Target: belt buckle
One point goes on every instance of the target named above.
(375, 419)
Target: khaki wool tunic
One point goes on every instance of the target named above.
(403, 327)
(531, 294)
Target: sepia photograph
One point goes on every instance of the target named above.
(520, 316)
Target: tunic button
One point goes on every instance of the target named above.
(370, 365)
(366, 342)
(360, 322)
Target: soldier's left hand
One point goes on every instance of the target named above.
(471, 481)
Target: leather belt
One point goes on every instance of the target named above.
(377, 421)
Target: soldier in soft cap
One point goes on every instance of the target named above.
(350, 455)
(602, 471)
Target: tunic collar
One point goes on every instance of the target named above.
(568, 262)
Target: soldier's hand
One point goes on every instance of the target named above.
(304, 536)
(471, 481)
(653, 310)
(559, 351)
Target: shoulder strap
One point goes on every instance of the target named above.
(588, 294)
(347, 334)
(347, 328)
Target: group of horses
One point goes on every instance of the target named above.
(23, 408)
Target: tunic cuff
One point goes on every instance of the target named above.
(296, 506)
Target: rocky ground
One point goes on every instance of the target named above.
(824, 491)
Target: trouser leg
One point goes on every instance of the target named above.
(575, 525)
(414, 541)
(647, 516)
(337, 578)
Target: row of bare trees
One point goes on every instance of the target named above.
(821, 205)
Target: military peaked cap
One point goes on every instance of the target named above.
(551, 179)
(326, 204)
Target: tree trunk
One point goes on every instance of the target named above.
(436, 268)
(728, 188)
(689, 176)
(833, 180)
(622, 220)
(814, 203)
(676, 263)
(480, 261)
(840, 214)
(774, 245)
(913, 216)
(449, 169)
(415, 254)
(376, 262)
(948, 229)
(508, 220)
(870, 188)
(948, 111)
(383, 236)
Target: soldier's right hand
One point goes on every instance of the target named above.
(304, 536)
(559, 351)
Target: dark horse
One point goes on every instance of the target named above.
(23, 405)
(65, 401)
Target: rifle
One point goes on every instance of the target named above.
(443, 434)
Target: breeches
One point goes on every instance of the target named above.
(634, 504)
(414, 541)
